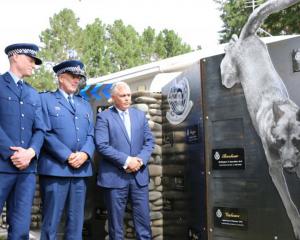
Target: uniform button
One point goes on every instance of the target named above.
(9, 98)
(22, 128)
(77, 128)
(78, 139)
(57, 114)
(21, 102)
(22, 115)
(22, 142)
(76, 117)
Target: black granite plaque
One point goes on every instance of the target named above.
(167, 204)
(168, 139)
(229, 158)
(230, 218)
(192, 134)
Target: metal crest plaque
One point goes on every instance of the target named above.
(179, 101)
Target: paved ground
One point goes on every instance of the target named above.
(34, 235)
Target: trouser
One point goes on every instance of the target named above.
(116, 201)
(59, 194)
(17, 190)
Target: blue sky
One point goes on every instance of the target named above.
(197, 22)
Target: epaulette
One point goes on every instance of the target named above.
(27, 84)
(44, 91)
(81, 98)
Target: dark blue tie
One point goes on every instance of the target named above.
(20, 85)
(70, 100)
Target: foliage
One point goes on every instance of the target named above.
(43, 79)
(103, 48)
(235, 13)
(94, 53)
(123, 45)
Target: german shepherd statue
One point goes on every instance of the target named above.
(275, 117)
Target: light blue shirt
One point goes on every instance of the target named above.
(66, 95)
(14, 77)
(120, 112)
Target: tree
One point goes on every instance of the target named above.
(63, 35)
(148, 41)
(284, 22)
(123, 45)
(169, 44)
(103, 48)
(235, 13)
(43, 79)
(94, 49)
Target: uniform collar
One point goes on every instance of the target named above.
(14, 77)
(65, 94)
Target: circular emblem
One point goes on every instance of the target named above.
(217, 156)
(219, 213)
(179, 101)
(297, 55)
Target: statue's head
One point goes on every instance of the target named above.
(229, 69)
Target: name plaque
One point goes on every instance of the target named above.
(228, 158)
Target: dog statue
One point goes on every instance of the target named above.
(275, 117)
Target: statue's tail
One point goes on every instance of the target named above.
(261, 13)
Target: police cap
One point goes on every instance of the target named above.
(28, 49)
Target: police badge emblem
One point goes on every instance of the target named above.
(179, 101)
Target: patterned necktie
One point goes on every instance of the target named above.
(70, 100)
(126, 121)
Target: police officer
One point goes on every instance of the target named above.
(21, 137)
(65, 161)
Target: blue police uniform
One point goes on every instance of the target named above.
(21, 125)
(70, 129)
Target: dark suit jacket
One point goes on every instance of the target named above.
(113, 144)
(21, 122)
(67, 131)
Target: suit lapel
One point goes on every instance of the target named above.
(11, 84)
(118, 119)
(63, 101)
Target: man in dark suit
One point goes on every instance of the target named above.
(124, 140)
(65, 161)
(21, 137)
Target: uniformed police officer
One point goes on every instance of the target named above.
(21, 137)
(65, 161)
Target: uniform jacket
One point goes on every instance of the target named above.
(67, 131)
(113, 144)
(21, 122)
